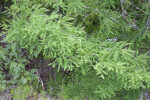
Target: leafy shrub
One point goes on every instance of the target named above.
(98, 68)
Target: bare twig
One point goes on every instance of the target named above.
(40, 80)
(87, 16)
(113, 40)
(125, 14)
(138, 8)
(147, 24)
(101, 13)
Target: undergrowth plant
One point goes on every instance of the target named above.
(78, 37)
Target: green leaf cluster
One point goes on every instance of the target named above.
(75, 36)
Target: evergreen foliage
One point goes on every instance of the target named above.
(103, 46)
